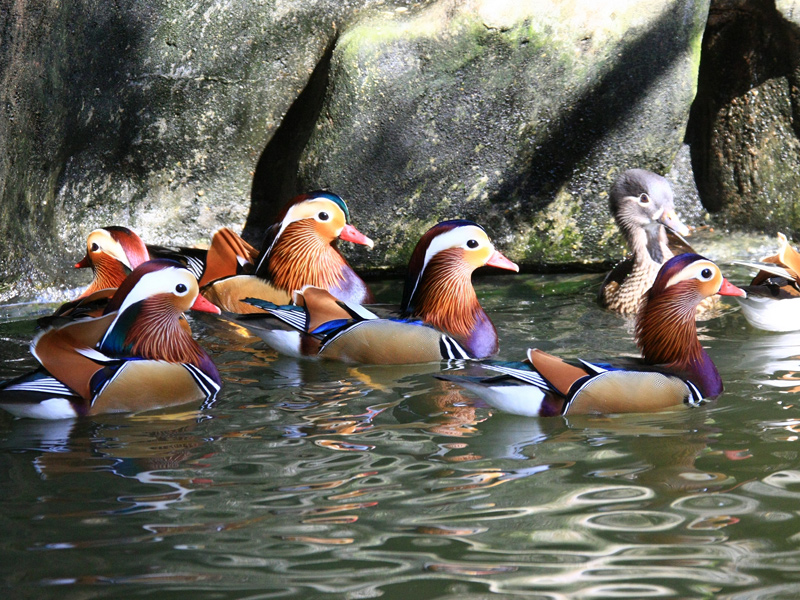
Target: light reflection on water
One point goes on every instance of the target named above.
(318, 479)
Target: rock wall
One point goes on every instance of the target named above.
(151, 114)
(175, 118)
(516, 114)
(746, 119)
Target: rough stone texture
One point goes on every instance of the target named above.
(745, 121)
(151, 114)
(516, 114)
(177, 117)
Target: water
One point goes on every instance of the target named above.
(310, 480)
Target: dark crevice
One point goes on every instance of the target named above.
(275, 178)
(746, 43)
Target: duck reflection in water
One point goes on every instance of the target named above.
(662, 448)
(141, 447)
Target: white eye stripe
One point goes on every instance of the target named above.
(697, 271)
(309, 209)
(108, 245)
(458, 237)
(163, 281)
(301, 211)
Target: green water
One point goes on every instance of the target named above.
(310, 480)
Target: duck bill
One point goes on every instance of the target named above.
(351, 234)
(203, 305)
(671, 220)
(501, 262)
(728, 289)
(85, 263)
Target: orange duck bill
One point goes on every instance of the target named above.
(501, 262)
(351, 234)
(203, 305)
(728, 289)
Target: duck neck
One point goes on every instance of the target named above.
(446, 300)
(648, 244)
(666, 333)
(107, 274)
(154, 330)
(300, 257)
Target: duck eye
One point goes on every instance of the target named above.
(706, 274)
(472, 244)
(644, 199)
(323, 216)
(95, 247)
(181, 288)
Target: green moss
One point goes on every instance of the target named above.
(555, 236)
(400, 250)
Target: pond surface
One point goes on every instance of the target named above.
(310, 480)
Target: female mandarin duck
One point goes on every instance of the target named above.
(773, 297)
(138, 355)
(675, 369)
(299, 250)
(643, 207)
(441, 317)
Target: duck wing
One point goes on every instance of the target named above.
(518, 389)
(92, 305)
(230, 294)
(546, 385)
(68, 354)
(193, 259)
(39, 395)
(626, 385)
(350, 332)
(613, 279)
(228, 255)
(767, 270)
(134, 385)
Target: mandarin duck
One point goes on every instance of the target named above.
(773, 297)
(440, 316)
(112, 253)
(299, 250)
(643, 207)
(674, 369)
(138, 355)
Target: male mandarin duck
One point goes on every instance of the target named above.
(643, 207)
(674, 369)
(299, 250)
(139, 355)
(773, 297)
(440, 317)
(112, 253)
